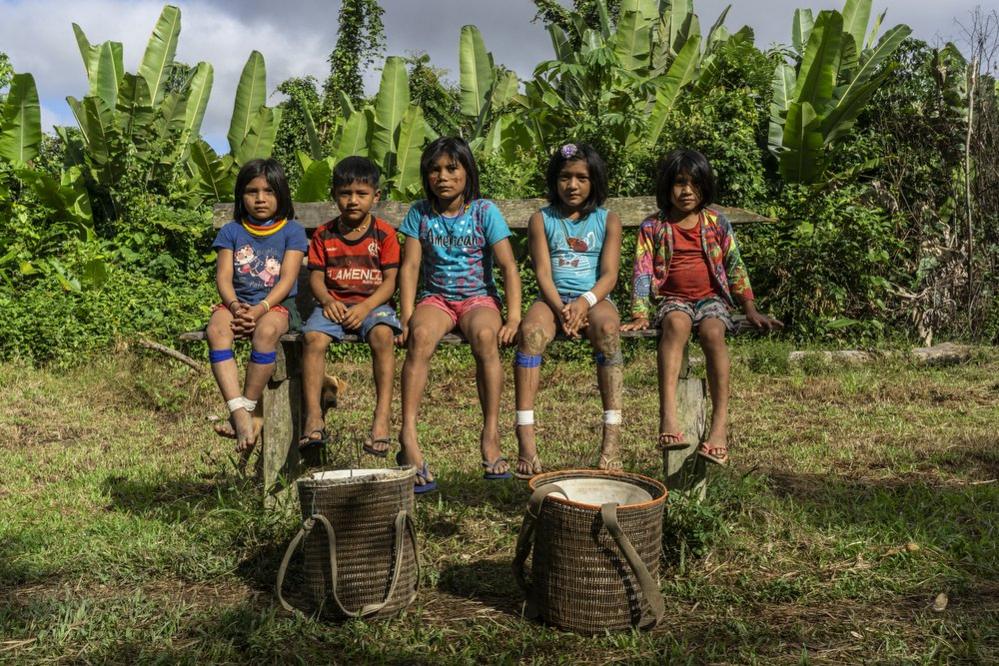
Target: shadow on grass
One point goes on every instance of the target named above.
(488, 582)
(177, 499)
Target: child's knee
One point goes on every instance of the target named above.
(606, 334)
(266, 334)
(380, 338)
(711, 334)
(316, 341)
(484, 341)
(421, 342)
(533, 339)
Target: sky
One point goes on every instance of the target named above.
(296, 36)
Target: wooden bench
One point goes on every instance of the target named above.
(280, 464)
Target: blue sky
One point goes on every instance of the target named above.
(295, 36)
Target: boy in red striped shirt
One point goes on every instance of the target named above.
(353, 263)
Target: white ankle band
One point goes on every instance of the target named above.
(525, 417)
(612, 416)
(241, 403)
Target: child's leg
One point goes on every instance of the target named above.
(270, 327)
(313, 370)
(481, 328)
(536, 331)
(675, 331)
(711, 334)
(220, 339)
(604, 331)
(381, 339)
(426, 327)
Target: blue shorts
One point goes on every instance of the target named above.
(383, 314)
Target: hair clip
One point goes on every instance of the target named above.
(568, 150)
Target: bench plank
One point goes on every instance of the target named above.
(632, 211)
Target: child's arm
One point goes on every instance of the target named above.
(332, 308)
(503, 252)
(409, 274)
(641, 281)
(537, 244)
(223, 280)
(357, 313)
(738, 281)
(610, 261)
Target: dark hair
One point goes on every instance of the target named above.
(355, 169)
(684, 161)
(272, 171)
(595, 165)
(455, 148)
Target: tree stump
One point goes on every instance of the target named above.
(683, 470)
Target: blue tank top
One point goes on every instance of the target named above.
(574, 247)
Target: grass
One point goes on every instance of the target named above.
(856, 496)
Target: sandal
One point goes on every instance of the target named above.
(535, 465)
(610, 462)
(669, 441)
(309, 442)
(422, 474)
(491, 475)
(369, 446)
(708, 452)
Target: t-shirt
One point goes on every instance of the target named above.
(688, 276)
(575, 247)
(256, 260)
(457, 261)
(353, 268)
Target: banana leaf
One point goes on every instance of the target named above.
(315, 182)
(107, 76)
(356, 136)
(251, 93)
(88, 52)
(215, 179)
(873, 35)
(21, 123)
(872, 59)
(133, 110)
(259, 141)
(856, 16)
(782, 88)
(198, 92)
(800, 162)
(679, 74)
(412, 134)
(801, 28)
(841, 118)
(391, 103)
(100, 125)
(820, 64)
(476, 71)
(717, 30)
(315, 145)
(157, 61)
(631, 40)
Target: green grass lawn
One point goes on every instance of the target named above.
(855, 497)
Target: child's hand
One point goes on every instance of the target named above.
(574, 315)
(400, 339)
(334, 310)
(355, 315)
(636, 324)
(763, 322)
(508, 331)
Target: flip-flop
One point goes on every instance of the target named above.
(705, 452)
(422, 473)
(378, 453)
(669, 441)
(610, 462)
(309, 442)
(490, 475)
(536, 468)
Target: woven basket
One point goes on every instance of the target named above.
(597, 541)
(364, 561)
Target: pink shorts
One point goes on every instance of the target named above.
(457, 309)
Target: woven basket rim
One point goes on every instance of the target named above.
(391, 474)
(544, 478)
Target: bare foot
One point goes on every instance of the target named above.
(247, 430)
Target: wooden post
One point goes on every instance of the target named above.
(282, 422)
(685, 471)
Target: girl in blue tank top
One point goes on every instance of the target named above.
(575, 246)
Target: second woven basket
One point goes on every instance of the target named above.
(597, 542)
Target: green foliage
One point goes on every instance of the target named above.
(360, 40)
(440, 100)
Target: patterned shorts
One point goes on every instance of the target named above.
(698, 311)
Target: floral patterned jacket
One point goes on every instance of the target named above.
(655, 248)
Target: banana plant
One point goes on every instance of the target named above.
(253, 126)
(818, 102)
(123, 111)
(488, 92)
(21, 122)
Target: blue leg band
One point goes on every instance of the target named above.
(219, 355)
(617, 358)
(521, 360)
(262, 358)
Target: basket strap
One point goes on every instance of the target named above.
(402, 521)
(651, 591)
(525, 540)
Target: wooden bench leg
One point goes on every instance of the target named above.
(685, 471)
(279, 437)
